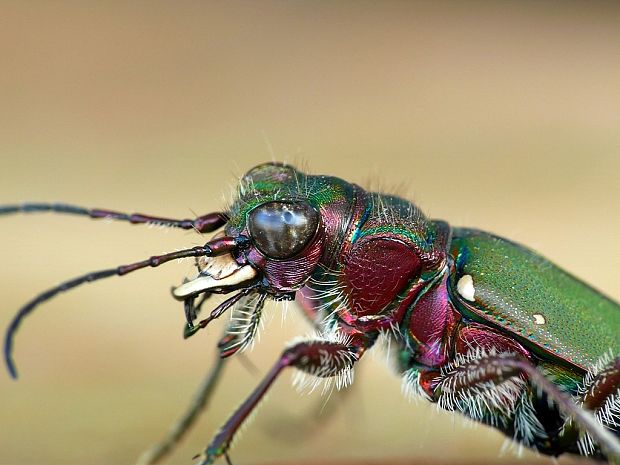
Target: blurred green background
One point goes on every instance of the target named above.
(499, 115)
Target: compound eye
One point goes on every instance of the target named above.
(281, 230)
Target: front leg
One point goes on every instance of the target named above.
(320, 358)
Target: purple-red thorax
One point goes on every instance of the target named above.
(368, 260)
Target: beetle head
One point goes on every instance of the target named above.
(287, 223)
(281, 227)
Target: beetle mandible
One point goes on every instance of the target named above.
(483, 326)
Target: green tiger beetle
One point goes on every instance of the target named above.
(482, 326)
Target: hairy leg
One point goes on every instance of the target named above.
(319, 358)
(599, 392)
(490, 387)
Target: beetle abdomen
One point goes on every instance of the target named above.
(512, 287)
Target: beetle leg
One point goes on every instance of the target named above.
(288, 426)
(198, 404)
(486, 382)
(599, 392)
(185, 422)
(229, 344)
(320, 358)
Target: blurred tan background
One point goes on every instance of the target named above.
(503, 116)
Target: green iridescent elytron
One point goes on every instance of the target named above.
(480, 325)
(513, 284)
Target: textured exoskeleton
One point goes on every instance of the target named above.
(482, 326)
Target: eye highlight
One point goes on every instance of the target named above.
(281, 230)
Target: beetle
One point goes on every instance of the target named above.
(481, 325)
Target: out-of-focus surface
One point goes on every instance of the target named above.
(503, 116)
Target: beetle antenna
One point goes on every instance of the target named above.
(212, 248)
(203, 224)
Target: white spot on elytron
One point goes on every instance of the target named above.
(539, 319)
(465, 286)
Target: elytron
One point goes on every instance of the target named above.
(479, 325)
